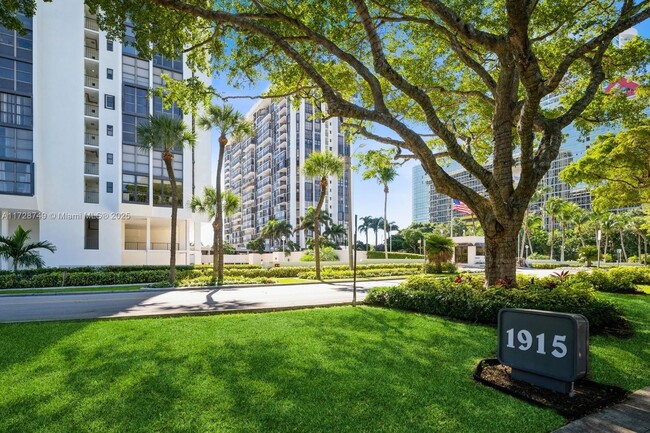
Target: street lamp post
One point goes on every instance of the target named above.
(284, 238)
(348, 169)
(526, 256)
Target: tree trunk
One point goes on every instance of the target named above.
(530, 242)
(367, 241)
(217, 266)
(500, 255)
(168, 157)
(385, 220)
(638, 246)
(623, 246)
(321, 200)
(552, 236)
(562, 247)
(605, 253)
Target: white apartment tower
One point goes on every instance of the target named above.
(265, 170)
(71, 169)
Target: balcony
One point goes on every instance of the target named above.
(91, 168)
(163, 246)
(91, 53)
(135, 246)
(91, 24)
(92, 82)
(91, 138)
(91, 196)
(91, 110)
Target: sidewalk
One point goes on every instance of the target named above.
(631, 416)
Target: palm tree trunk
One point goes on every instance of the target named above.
(623, 246)
(367, 244)
(562, 247)
(168, 157)
(638, 246)
(385, 220)
(530, 242)
(321, 200)
(552, 236)
(606, 242)
(217, 266)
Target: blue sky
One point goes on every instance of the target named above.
(368, 196)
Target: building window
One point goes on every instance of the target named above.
(15, 76)
(91, 239)
(109, 187)
(135, 101)
(134, 160)
(16, 110)
(109, 102)
(109, 158)
(16, 144)
(109, 73)
(16, 178)
(175, 63)
(135, 189)
(130, 128)
(162, 193)
(135, 71)
(109, 130)
(109, 45)
(159, 168)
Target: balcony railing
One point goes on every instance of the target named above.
(91, 168)
(92, 53)
(91, 139)
(91, 110)
(92, 82)
(163, 245)
(91, 24)
(91, 197)
(135, 246)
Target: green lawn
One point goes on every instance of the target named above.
(320, 370)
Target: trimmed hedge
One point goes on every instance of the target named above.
(466, 299)
(616, 280)
(392, 255)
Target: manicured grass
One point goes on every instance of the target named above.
(72, 289)
(322, 370)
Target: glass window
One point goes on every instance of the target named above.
(175, 63)
(135, 101)
(135, 71)
(109, 73)
(109, 158)
(130, 127)
(162, 193)
(16, 178)
(109, 187)
(109, 102)
(173, 110)
(159, 168)
(109, 45)
(15, 109)
(16, 144)
(91, 238)
(134, 159)
(109, 130)
(135, 189)
(157, 76)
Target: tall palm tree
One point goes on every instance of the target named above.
(623, 225)
(22, 253)
(552, 207)
(580, 221)
(636, 225)
(392, 227)
(322, 165)
(336, 233)
(228, 122)
(207, 204)
(439, 249)
(525, 229)
(375, 224)
(306, 222)
(167, 134)
(274, 230)
(608, 224)
(565, 217)
(380, 166)
(366, 223)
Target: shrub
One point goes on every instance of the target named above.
(327, 254)
(538, 256)
(464, 298)
(393, 255)
(617, 280)
(446, 268)
(544, 265)
(588, 254)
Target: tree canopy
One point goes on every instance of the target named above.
(616, 168)
(460, 79)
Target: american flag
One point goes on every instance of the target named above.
(461, 207)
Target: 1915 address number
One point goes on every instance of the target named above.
(526, 342)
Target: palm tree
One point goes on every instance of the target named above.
(439, 249)
(608, 223)
(636, 225)
(208, 205)
(552, 207)
(623, 224)
(392, 227)
(375, 224)
(167, 134)
(531, 221)
(565, 217)
(307, 221)
(321, 165)
(227, 121)
(525, 229)
(22, 253)
(336, 233)
(366, 222)
(379, 166)
(275, 229)
(580, 220)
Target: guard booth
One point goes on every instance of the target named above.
(469, 250)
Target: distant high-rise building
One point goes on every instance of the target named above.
(266, 170)
(71, 169)
(421, 194)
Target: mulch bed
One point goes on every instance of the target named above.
(589, 396)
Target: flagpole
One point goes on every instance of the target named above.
(451, 219)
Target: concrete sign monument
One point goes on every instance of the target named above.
(544, 348)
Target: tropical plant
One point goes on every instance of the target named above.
(21, 252)
(636, 225)
(306, 222)
(565, 217)
(336, 233)
(228, 122)
(608, 225)
(439, 249)
(380, 166)
(322, 166)
(274, 230)
(366, 223)
(167, 134)
(552, 207)
(256, 245)
(375, 226)
(207, 204)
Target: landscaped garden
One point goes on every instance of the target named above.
(336, 369)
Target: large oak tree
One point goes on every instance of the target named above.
(457, 79)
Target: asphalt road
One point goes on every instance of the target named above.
(147, 303)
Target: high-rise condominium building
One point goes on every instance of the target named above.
(71, 169)
(266, 170)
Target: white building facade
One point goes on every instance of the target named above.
(71, 169)
(266, 170)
